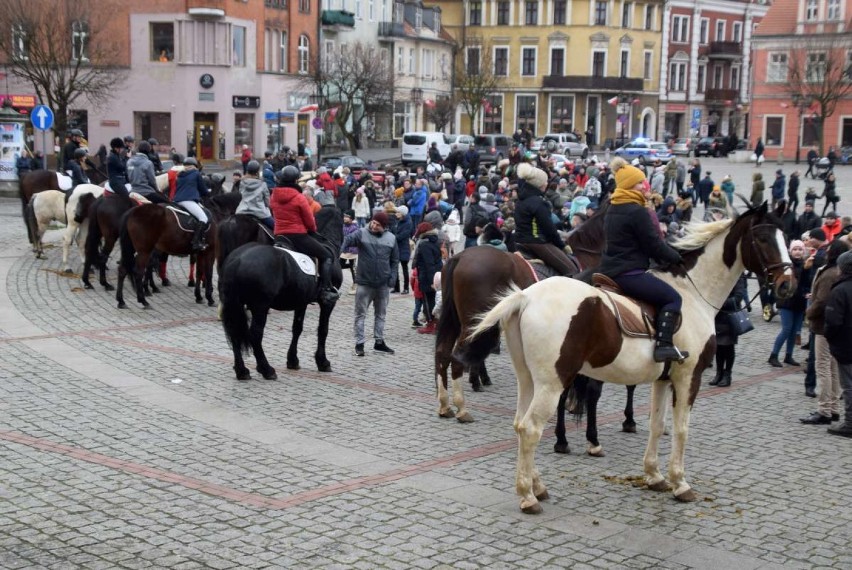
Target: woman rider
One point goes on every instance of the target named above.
(295, 220)
(631, 242)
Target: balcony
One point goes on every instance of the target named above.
(593, 83)
(391, 30)
(723, 96)
(725, 50)
(338, 18)
(206, 8)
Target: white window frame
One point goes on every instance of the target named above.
(418, 18)
(427, 63)
(737, 32)
(566, 14)
(648, 65)
(537, 12)
(400, 60)
(239, 53)
(467, 57)
(652, 10)
(329, 49)
(593, 4)
(810, 65)
(704, 31)
(680, 26)
(735, 80)
(674, 84)
(701, 78)
(621, 60)
(304, 54)
(811, 10)
(283, 51)
(494, 59)
(535, 61)
(718, 76)
(780, 74)
(592, 61)
(783, 130)
(412, 64)
(721, 25)
(357, 10)
(847, 71)
(564, 59)
(630, 7)
(833, 9)
(79, 30)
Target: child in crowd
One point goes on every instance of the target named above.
(348, 257)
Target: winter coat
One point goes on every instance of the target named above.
(728, 189)
(632, 241)
(718, 200)
(832, 230)
(757, 188)
(417, 203)
(793, 188)
(117, 171)
(778, 188)
(533, 223)
(362, 207)
(404, 231)
(825, 279)
(808, 221)
(140, 174)
(830, 191)
(798, 301)
(349, 229)
(378, 257)
(23, 164)
(293, 214)
(667, 213)
(452, 229)
(725, 335)
(190, 186)
(428, 261)
(255, 198)
(77, 175)
(268, 175)
(838, 320)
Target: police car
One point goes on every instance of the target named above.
(647, 151)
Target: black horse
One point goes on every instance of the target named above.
(262, 277)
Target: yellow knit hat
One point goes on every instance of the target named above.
(628, 176)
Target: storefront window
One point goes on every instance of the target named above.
(526, 112)
(561, 114)
(493, 115)
(774, 131)
(154, 125)
(243, 131)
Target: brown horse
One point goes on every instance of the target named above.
(152, 227)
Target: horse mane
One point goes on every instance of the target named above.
(697, 234)
(590, 235)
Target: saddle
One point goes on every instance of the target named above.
(542, 269)
(186, 221)
(306, 263)
(631, 324)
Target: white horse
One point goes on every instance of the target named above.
(547, 352)
(50, 205)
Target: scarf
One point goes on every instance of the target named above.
(625, 196)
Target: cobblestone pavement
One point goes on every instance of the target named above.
(126, 442)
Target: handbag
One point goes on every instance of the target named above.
(753, 157)
(740, 322)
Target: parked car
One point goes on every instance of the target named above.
(715, 146)
(415, 146)
(565, 143)
(355, 164)
(682, 146)
(536, 144)
(645, 150)
(460, 142)
(492, 148)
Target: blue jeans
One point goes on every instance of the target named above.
(648, 288)
(791, 324)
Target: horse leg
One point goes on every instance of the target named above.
(208, 279)
(629, 425)
(119, 291)
(258, 324)
(561, 445)
(680, 418)
(528, 480)
(442, 363)
(475, 382)
(296, 331)
(593, 394)
(483, 372)
(139, 275)
(162, 270)
(109, 243)
(67, 238)
(87, 268)
(659, 396)
(191, 282)
(149, 274)
(457, 370)
(323, 365)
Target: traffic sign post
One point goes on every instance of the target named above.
(42, 119)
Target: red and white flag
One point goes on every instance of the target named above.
(309, 108)
(612, 101)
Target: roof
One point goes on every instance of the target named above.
(780, 20)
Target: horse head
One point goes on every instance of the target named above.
(764, 251)
(214, 182)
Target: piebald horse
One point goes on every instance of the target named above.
(547, 352)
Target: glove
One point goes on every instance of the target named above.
(567, 249)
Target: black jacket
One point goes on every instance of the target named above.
(793, 188)
(632, 241)
(117, 169)
(476, 216)
(809, 221)
(838, 320)
(428, 261)
(739, 295)
(435, 155)
(533, 223)
(798, 301)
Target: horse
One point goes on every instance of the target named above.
(547, 353)
(262, 277)
(151, 227)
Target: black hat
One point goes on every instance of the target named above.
(817, 234)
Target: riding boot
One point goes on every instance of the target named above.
(199, 241)
(327, 293)
(665, 348)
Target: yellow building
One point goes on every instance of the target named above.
(590, 66)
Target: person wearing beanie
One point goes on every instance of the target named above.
(378, 261)
(838, 333)
(403, 231)
(427, 262)
(792, 309)
(475, 219)
(535, 231)
(831, 226)
(809, 219)
(632, 242)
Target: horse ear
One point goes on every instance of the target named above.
(748, 203)
(763, 209)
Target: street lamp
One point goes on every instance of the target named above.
(318, 100)
(801, 102)
(416, 99)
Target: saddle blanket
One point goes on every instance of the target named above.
(184, 219)
(305, 262)
(65, 182)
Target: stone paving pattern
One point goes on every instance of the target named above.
(126, 442)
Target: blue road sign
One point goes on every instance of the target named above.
(41, 117)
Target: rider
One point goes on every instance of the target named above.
(534, 228)
(190, 189)
(69, 148)
(435, 154)
(154, 156)
(76, 168)
(117, 167)
(631, 242)
(255, 196)
(140, 174)
(295, 220)
(129, 141)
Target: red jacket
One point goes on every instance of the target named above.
(831, 231)
(292, 212)
(326, 182)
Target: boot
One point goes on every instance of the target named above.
(726, 380)
(665, 348)
(789, 360)
(199, 237)
(428, 328)
(773, 360)
(843, 430)
(718, 378)
(327, 292)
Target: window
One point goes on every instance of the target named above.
(79, 40)
(436, 19)
(735, 77)
(720, 30)
(557, 61)
(626, 12)
(445, 67)
(531, 12)
(305, 6)
(400, 60)
(20, 49)
(162, 41)
(357, 9)
(815, 71)
(600, 12)
(773, 131)
(204, 43)
(776, 71)
(525, 105)
(528, 61)
(152, 125)
(473, 61)
(428, 63)
(411, 61)
(624, 67)
(649, 16)
(702, 74)
(238, 47)
(501, 61)
(561, 114)
(328, 55)
(282, 51)
(599, 64)
(371, 10)
(503, 13)
(677, 71)
(680, 29)
(401, 118)
(475, 15)
(811, 10)
(737, 32)
(705, 31)
(397, 12)
(492, 121)
(560, 11)
(648, 66)
(304, 54)
(847, 71)
(243, 131)
(718, 82)
(418, 18)
(833, 10)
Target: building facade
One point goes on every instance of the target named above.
(705, 76)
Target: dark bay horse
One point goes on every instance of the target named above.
(262, 277)
(151, 227)
(104, 226)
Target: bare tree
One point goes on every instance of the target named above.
(441, 112)
(355, 82)
(819, 76)
(475, 78)
(63, 49)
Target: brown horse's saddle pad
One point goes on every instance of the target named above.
(629, 323)
(185, 220)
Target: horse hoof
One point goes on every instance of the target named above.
(486, 381)
(628, 428)
(87, 286)
(190, 283)
(108, 287)
(448, 413)
(211, 303)
(478, 388)
(270, 374)
(687, 496)
(122, 305)
(293, 366)
(199, 301)
(562, 448)
(543, 496)
(464, 418)
(596, 451)
(532, 509)
(165, 282)
(324, 367)
(243, 374)
(659, 486)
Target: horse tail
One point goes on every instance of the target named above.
(93, 238)
(512, 303)
(234, 319)
(449, 325)
(30, 219)
(227, 241)
(577, 394)
(128, 251)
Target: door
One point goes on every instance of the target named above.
(592, 120)
(205, 136)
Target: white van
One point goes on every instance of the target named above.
(415, 146)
